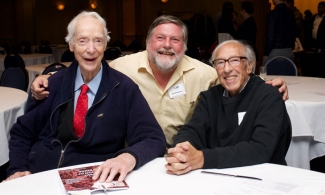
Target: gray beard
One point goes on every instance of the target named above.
(163, 63)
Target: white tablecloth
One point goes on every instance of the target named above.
(58, 51)
(306, 108)
(30, 59)
(35, 70)
(152, 179)
(12, 104)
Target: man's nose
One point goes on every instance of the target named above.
(227, 67)
(90, 46)
(167, 43)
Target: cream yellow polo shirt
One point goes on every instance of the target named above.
(170, 111)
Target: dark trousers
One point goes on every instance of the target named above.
(3, 171)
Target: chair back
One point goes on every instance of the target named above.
(6, 48)
(45, 49)
(26, 47)
(67, 56)
(135, 45)
(14, 61)
(2, 51)
(53, 68)
(15, 77)
(112, 53)
(281, 65)
(119, 44)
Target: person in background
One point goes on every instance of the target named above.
(298, 18)
(315, 29)
(240, 122)
(247, 30)
(234, 20)
(226, 28)
(307, 14)
(91, 112)
(281, 32)
(169, 80)
(226, 4)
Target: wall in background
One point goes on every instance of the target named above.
(303, 5)
(35, 20)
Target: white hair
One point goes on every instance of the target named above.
(72, 25)
(249, 52)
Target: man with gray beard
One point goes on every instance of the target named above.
(169, 80)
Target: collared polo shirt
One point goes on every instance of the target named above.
(170, 113)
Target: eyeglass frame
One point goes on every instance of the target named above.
(227, 60)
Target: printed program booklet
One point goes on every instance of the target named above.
(80, 179)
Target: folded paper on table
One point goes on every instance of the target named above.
(79, 181)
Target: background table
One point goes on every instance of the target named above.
(58, 51)
(35, 70)
(306, 108)
(12, 104)
(152, 179)
(30, 59)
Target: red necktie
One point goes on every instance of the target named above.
(81, 110)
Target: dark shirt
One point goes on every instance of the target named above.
(247, 31)
(281, 29)
(226, 24)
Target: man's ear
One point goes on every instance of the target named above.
(250, 67)
(71, 47)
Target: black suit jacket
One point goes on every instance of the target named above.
(247, 31)
(281, 29)
(309, 41)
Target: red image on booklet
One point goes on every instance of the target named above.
(81, 179)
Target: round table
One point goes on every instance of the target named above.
(58, 51)
(153, 179)
(30, 59)
(12, 104)
(306, 109)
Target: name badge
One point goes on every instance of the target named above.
(240, 117)
(176, 90)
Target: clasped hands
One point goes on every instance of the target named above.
(183, 158)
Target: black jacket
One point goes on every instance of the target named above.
(281, 29)
(119, 113)
(247, 32)
(308, 26)
(226, 142)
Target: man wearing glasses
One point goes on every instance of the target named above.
(239, 122)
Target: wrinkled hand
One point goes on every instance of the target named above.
(281, 84)
(122, 164)
(38, 87)
(183, 158)
(17, 175)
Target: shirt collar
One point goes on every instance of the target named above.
(226, 92)
(93, 84)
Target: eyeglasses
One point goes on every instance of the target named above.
(233, 61)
